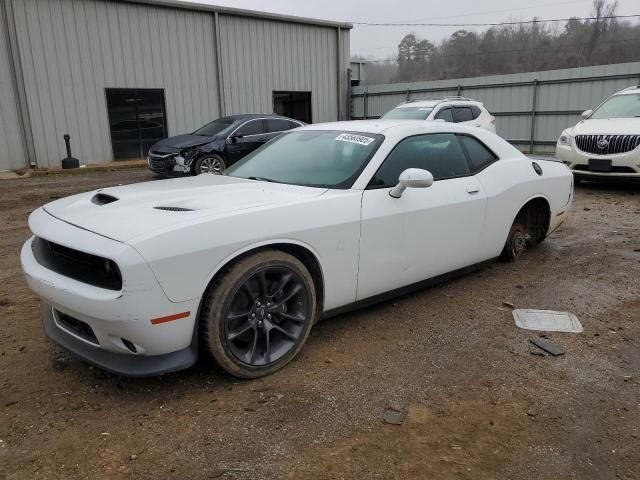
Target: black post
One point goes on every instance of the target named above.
(67, 143)
(534, 104)
(69, 162)
(365, 107)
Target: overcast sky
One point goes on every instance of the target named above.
(380, 42)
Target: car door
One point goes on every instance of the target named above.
(427, 231)
(246, 139)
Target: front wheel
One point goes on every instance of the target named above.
(209, 164)
(258, 314)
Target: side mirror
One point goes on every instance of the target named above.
(233, 138)
(586, 114)
(411, 178)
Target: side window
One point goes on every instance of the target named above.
(253, 127)
(273, 125)
(439, 153)
(445, 114)
(479, 155)
(476, 111)
(462, 114)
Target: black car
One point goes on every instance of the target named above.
(218, 144)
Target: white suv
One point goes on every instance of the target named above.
(465, 111)
(605, 144)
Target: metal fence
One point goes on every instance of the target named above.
(531, 109)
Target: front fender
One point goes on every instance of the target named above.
(258, 245)
(217, 146)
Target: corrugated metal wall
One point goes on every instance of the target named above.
(12, 154)
(71, 50)
(561, 95)
(262, 56)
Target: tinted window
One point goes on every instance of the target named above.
(440, 154)
(462, 114)
(253, 127)
(445, 114)
(294, 124)
(219, 126)
(476, 111)
(479, 155)
(276, 125)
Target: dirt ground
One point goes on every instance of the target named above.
(480, 404)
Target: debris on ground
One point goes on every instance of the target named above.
(547, 346)
(547, 320)
(395, 414)
(508, 304)
(60, 361)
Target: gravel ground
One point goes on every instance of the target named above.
(479, 404)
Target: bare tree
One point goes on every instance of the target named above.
(518, 48)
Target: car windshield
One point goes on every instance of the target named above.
(413, 113)
(620, 106)
(216, 127)
(315, 158)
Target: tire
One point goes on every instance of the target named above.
(249, 327)
(516, 243)
(214, 164)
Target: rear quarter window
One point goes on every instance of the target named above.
(478, 154)
(462, 114)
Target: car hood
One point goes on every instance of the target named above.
(180, 142)
(126, 212)
(607, 126)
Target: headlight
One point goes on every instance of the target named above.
(565, 138)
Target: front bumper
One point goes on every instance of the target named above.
(625, 166)
(119, 363)
(168, 164)
(117, 320)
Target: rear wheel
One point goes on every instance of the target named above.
(516, 243)
(209, 164)
(258, 314)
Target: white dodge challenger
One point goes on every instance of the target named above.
(139, 279)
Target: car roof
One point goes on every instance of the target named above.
(385, 125)
(247, 116)
(432, 102)
(629, 90)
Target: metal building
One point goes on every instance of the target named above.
(119, 74)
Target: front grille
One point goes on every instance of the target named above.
(614, 169)
(160, 161)
(77, 327)
(607, 144)
(83, 267)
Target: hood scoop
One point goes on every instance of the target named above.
(175, 209)
(103, 199)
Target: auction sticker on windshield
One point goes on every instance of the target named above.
(351, 138)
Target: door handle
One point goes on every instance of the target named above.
(474, 189)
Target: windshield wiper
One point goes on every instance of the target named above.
(263, 179)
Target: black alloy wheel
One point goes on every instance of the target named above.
(258, 313)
